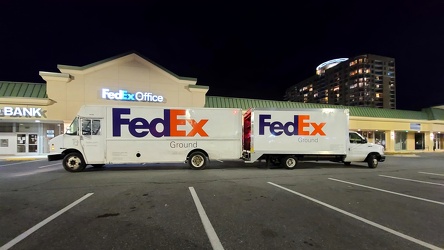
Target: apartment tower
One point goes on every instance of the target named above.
(366, 81)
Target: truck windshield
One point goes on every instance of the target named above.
(73, 129)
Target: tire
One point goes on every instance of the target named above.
(347, 163)
(289, 162)
(372, 161)
(197, 160)
(97, 165)
(74, 162)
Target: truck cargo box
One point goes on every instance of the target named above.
(295, 131)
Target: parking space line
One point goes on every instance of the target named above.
(390, 192)
(405, 179)
(389, 230)
(50, 165)
(212, 236)
(41, 224)
(431, 173)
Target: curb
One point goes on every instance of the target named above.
(22, 159)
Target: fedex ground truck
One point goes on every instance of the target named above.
(102, 135)
(283, 137)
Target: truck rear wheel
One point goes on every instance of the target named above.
(74, 162)
(289, 162)
(372, 161)
(197, 160)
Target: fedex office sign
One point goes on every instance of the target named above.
(123, 95)
(300, 125)
(172, 124)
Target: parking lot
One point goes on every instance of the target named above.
(229, 205)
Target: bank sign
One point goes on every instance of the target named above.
(123, 95)
(21, 112)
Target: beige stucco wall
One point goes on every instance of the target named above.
(77, 86)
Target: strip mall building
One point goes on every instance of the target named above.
(33, 113)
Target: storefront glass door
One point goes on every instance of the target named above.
(27, 143)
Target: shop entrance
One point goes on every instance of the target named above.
(27, 143)
(419, 141)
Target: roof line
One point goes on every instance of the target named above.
(61, 66)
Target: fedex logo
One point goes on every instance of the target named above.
(140, 127)
(301, 125)
(123, 95)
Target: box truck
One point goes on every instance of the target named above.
(283, 137)
(102, 135)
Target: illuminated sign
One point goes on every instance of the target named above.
(21, 112)
(123, 95)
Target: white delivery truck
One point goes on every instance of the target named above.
(102, 135)
(284, 137)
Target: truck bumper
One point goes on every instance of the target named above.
(55, 157)
(382, 159)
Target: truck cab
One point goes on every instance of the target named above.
(360, 150)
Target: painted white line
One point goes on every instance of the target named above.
(212, 236)
(405, 179)
(41, 224)
(419, 242)
(431, 173)
(50, 165)
(390, 192)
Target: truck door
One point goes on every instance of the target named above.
(357, 148)
(91, 140)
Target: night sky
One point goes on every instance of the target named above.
(259, 49)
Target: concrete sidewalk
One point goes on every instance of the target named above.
(23, 157)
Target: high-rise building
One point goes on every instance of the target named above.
(366, 81)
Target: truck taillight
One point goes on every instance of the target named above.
(52, 147)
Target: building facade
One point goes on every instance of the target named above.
(363, 81)
(33, 113)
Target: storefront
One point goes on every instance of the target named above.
(32, 113)
(28, 123)
(25, 130)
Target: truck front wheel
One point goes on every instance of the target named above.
(74, 162)
(289, 162)
(197, 160)
(372, 161)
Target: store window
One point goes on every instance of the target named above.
(400, 140)
(6, 127)
(439, 141)
(380, 138)
(368, 135)
(27, 127)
